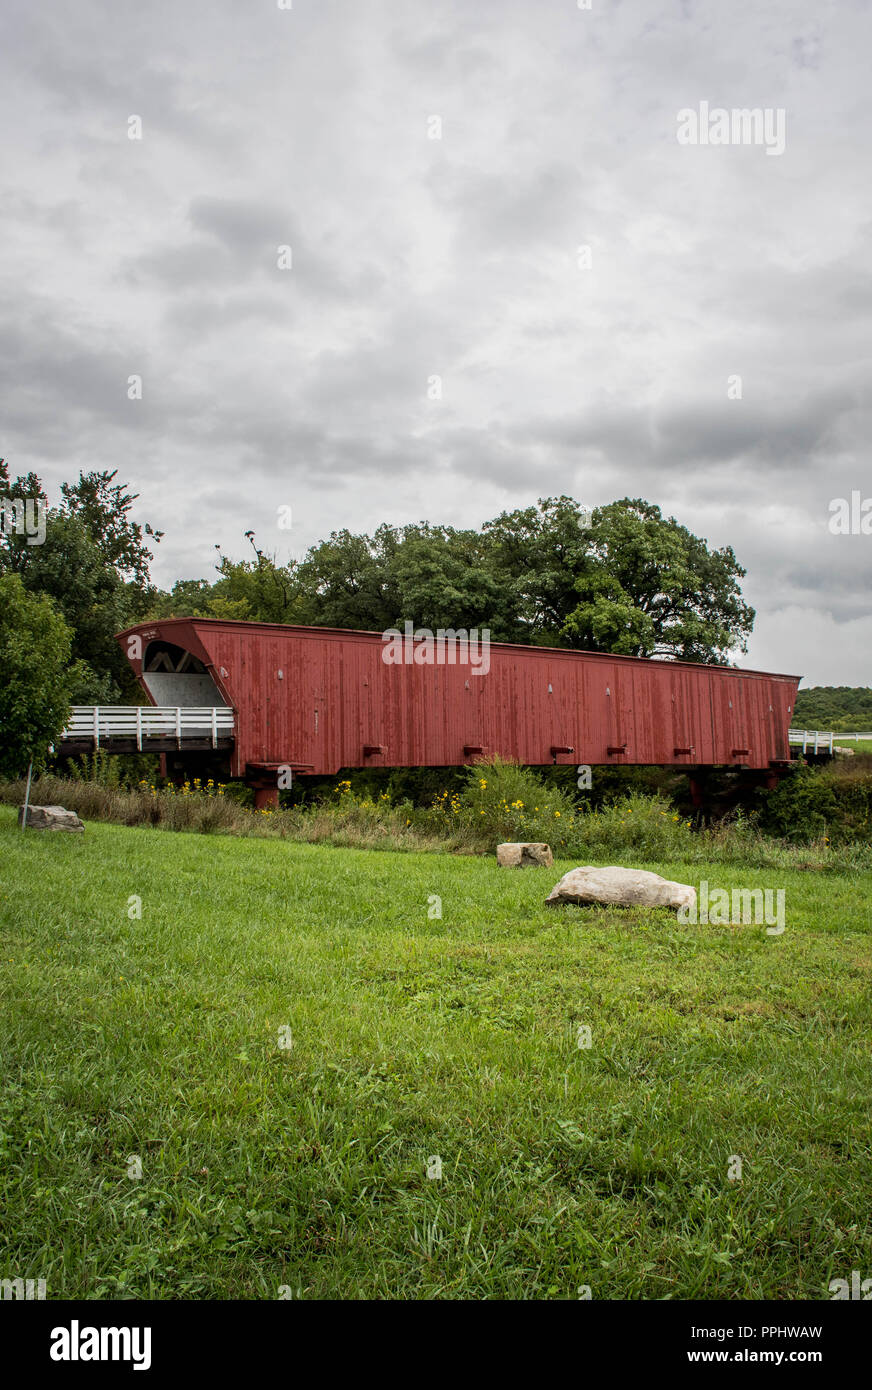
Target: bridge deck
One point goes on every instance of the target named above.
(170, 728)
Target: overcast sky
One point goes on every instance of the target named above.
(416, 257)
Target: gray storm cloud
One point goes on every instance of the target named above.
(602, 373)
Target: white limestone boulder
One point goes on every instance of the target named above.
(50, 818)
(524, 855)
(619, 887)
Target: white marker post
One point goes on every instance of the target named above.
(27, 795)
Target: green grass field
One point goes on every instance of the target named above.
(414, 1037)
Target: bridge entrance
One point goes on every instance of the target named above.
(174, 677)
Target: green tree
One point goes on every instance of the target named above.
(258, 589)
(93, 601)
(623, 579)
(34, 676)
(537, 554)
(434, 576)
(188, 598)
(345, 581)
(440, 578)
(627, 581)
(103, 506)
(15, 547)
(840, 707)
(80, 565)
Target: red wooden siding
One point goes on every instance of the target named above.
(337, 695)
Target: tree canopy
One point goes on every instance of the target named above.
(622, 579)
(93, 565)
(840, 707)
(104, 506)
(34, 675)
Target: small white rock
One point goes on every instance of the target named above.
(50, 818)
(524, 854)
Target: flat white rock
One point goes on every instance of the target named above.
(621, 887)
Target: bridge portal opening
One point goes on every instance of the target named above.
(174, 676)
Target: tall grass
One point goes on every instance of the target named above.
(499, 801)
(99, 800)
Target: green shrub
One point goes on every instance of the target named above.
(505, 801)
(832, 804)
(239, 794)
(100, 767)
(109, 769)
(648, 825)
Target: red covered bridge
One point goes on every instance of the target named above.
(315, 700)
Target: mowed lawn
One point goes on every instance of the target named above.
(297, 1160)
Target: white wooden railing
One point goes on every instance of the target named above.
(813, 740)
(102, 723)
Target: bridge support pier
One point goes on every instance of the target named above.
(697, 781)
(266, 796)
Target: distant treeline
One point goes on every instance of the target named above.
(842, 708)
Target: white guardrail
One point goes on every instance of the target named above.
(813, 740)
(142, 722)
